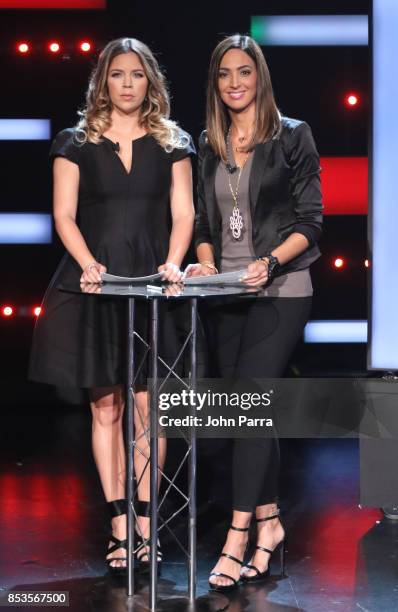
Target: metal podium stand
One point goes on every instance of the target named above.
(131, 292)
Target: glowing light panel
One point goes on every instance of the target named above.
(307, 30)
(25, 129)
(25, 228)
(383, 353)
(336, 331)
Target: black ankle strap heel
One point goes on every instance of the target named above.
(143, 508)
(262, 575)
(116, 507)
(234, 583)
(268, 518)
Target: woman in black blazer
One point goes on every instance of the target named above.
(259, 208)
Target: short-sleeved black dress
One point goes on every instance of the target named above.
(125, 218)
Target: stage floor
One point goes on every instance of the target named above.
(54, 525)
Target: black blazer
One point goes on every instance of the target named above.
(284, 190)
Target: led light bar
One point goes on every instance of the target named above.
(308, 30)
(25, 129)
(383, 345)
(25, 228)
(336, 331)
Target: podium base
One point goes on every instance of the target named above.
(211, 602)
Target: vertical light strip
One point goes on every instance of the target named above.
(383, 349)
(25, 228)
(25, 129)
(320, 30)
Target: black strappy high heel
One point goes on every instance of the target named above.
(235, 583)
(116, 507)
(262, 575)
(142, 548)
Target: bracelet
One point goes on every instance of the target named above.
(173, 265)
(209, 264)
(272, 263)
(89, 266)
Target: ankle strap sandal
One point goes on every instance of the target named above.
(116, 507)
(281, 545)
(143, 508)
(234, 582)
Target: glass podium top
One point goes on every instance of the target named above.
(163, 291)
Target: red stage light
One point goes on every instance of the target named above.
(85, 46)
(7, 311)
(366, 263)
(54, 47)
(339, 263)
(37, 311)
(351, 100)
(345, 185)
(23, 48)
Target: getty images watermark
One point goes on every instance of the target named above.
(286, 408)
(212, 400)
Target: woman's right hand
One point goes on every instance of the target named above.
(92, 273)
(198, 269)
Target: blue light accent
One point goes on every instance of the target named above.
(25, 129)
(307, 30)
(25, 228)
(335, 331)
(383, 350)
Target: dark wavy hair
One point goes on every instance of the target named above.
(267, 121)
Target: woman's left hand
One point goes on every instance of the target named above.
(257, 274)
(170, 272)
(174, 289)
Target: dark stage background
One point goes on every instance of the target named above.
(50, 485)
(309, 83)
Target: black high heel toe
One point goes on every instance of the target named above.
(142, 544)
(227, 587)
(262, 575)
(116, 507)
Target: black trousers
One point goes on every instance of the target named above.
(254, 338)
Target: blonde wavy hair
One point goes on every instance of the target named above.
(267, 123)
(95, 118)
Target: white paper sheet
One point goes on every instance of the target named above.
(111, 278)
(225, 278)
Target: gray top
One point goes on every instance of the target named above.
(236, 255)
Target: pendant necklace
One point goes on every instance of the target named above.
(236, 223)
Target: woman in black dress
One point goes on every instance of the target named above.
(259, 208)
(122, 204)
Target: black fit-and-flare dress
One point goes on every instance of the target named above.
(125, 219)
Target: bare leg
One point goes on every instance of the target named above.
(235, 545)
(141, 456)
(269, 534)
(107, 406)
(108, 448)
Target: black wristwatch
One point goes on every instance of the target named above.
(273, 264)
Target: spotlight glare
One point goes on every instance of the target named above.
(339, 263)
(85, 46)
(37, 311)
(23, 48)
(351, 100)
(366, 263)
(54, 47)
(7, 311)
